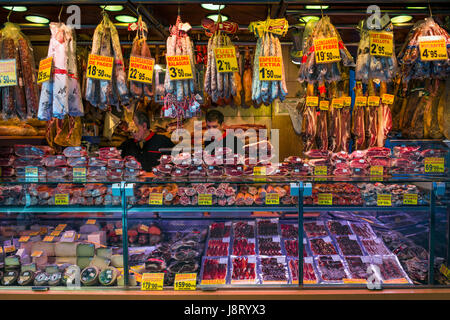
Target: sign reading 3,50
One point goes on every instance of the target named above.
(100, 67)
(179, 67)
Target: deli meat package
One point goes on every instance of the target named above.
(339, 227)
(32, 152)
(75, 152)
(269, 246)
(244, 246)
(243, 270)
(315, 229)
(331, 268)
(363, 230)
(357, 266)
(219, 230)
(54, 161)
(214, 271)
(309, 272)
(289, 231)
(390, 269)
(375, 247)
(267, 227)
(218, 247)
(322, 246)
(349, 246)
(273, 270)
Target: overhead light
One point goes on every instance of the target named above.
(316, 7)
(416, 8)
(157, 67)
(16, 8)
(37, 19)
(126, 19)
(296, 62)
(401, 19)
(216, 16)
(306, 19)
(212, 7)
(112, 8)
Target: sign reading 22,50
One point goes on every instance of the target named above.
(179, 67)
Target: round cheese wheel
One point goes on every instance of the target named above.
(41, 279)
(10, 278)
(89, 276)
(26, 278)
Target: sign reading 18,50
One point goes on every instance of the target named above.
(100, 67)
(179, 67)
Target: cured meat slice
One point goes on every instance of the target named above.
(109, 153)
(378, 152)
(77, 162)
(97, 162)
(30, 151)
(75, 152)
(115, 163)
(54, 161)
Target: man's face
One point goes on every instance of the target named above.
(214, 125)
(141, 132)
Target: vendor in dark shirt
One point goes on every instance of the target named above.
(214, 121)
(146, 145)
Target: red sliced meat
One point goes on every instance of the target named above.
(380, 161)
(30, 151)
(378, 152)
(25, 162)
(132, 163)
(234, 171)
(77, 162)
(358, 154)
(316, 153)
(115, 173)
(59, 172)
(179, 171)
(359, 163)
(97, 172)
(115, 163)
(109, 153)
(97, 162)
(75, 152)
(165, 159)
(342, 172)
(435, 153)
(54, 161)
(214, 171)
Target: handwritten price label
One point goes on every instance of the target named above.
(373, 101)
(320, 171)
(61, 199)
(433, 48)
(24, 239)
(141, 69)
(155, 199)
(45, 70)
(259, 171)
(387, 98)
(79, 172)
(152, 281)
(312, 101)
(434, 165)
(384, 200)
(226, 60)
(118, 232)
(100, 67)
(31, 172)
(272, 198)
(179, 67)
(324, 105)
(376, 171)
(347, 101)
(381, 43)
(8, 76)
(185, 281)
(205, 199)
(327, 50)
(337, 103)
(270, 68)
(361, 101)
(410, 199)
(325, 199)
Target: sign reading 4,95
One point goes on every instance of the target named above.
(99, 67)
(8, 75)
(226, 59)
(327, 50)
(141, 69)
(179, 67)
(433, 48)
(270, 68)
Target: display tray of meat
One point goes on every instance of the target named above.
(357, 266)
(340, 228)
(363, 230)
(390, 269)
(218, 247)
(273, 270)
(331, 269)
(214, 271)
(309, 272)
(267, 227)
(349, 245)
(243, 270)
(407, 152)
(218, 230)
(269, 246)
(315, 229)
(289, 231)
(322, 246)
(375, 247)
(244, 229)
(244, 247)
(291, 248)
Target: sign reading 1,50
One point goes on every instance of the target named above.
(266, 73)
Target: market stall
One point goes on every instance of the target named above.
(338, 172)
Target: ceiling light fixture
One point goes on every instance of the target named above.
(126, 19)
(215, 16)
(401, 19)
(37, 19)
(212, 7)
(112, 8)
(416, 8)
(316, 7)
(16, 8)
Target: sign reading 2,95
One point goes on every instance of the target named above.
(270, 68)
(100, 67)
(179, 67)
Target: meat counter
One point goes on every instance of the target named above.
(238, 232)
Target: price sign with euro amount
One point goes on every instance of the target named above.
(384, 200)
(45, 70)
(99, 67)
(205, 199)
(61, 199)
(155, 199)
(152, 281)
(185, 281)
(337, 103)
(434, 165)
(272, 198)
(381, 43)
(226, 59)
(259, 171)
(141, 69)
(432, 48)
(325, 199)
(312, 101)
(410, 199)
(8, 76)
(270, 68)
(179, 67)
(327, 50)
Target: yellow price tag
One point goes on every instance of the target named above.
(320, 171)
(185, 281)
(155, 199)
(387, 98)
(61, 199)
(361, 101)
(60, 227)
(9, 249)
(272, 198)
(445, 271)
(373, 101)
(205, 199)
(141, 69)
(55, 233)
(270, 68)
(376, 170)
(24, 239)
(99, 67)
(381, 43)
(384, 200)
(312, 101)
(179, 67)
(45, 70)
(48, 238)
(327, 50)
(433, 48)
(31, 172)
(118, 232)
(152, 281)
(347, 101)
(325, 199)
(259, 171)
(8, 76)
(91, 221)
(324, 105)
(226, 60)
(337, 103)
(410, 199)
(37, 254)
(34, 233)
(434, 165)
(79, 172)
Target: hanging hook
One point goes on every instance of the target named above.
(59, 15)
(179, 9)
(321, 10)
(429, 8)
(10, 11)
